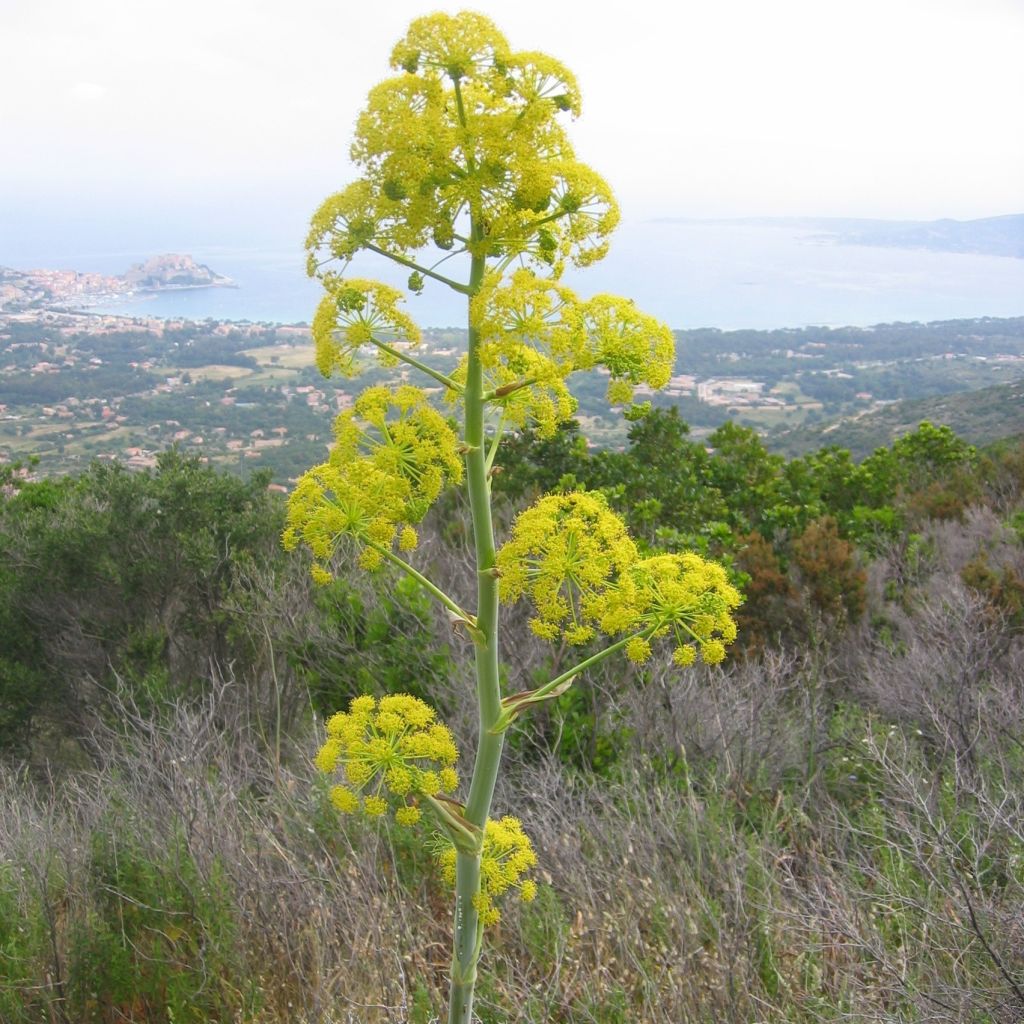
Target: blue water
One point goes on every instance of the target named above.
(689, 274)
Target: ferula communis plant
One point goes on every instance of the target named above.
(469, 181)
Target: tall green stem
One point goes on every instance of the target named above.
(468, 928)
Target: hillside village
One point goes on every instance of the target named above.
(229, 392)
(78, 385)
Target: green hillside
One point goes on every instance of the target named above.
(981, 416)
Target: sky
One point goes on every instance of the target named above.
(237, 114)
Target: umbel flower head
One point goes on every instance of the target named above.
(526, 386)
(468, 125)
(633, 346)
(684, 597)
(536, 332)
(380, 478)
(506, 856)
(529, 310)
(354, 501)
(389, 750)
(573, 557)
(404, 437)
(565, 552)
(354, 313)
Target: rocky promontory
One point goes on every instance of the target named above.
(39, 289)
(173, 271)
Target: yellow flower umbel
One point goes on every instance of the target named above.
(468, 125)
(355, 313)
(565, 551)
(391, 748)
(535, 311)
(678, 596)
(382, 475)
(353, 501)
(682, 596)
(506, 856)
(415, 445)
(526, 386)
(633, 346)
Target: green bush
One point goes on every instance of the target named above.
(159, 941)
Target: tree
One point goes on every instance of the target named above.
(468, 180)
(133, 575)
(916, 462)
(744, 473)
(661, 483)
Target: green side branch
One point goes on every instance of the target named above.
(458, 614)
(514, 705)
(404, 357)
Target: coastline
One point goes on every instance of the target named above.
(70, 289)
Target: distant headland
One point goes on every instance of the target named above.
(28, 289)
(987, 236)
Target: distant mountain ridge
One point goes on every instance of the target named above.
(986, 236)
(991, 236)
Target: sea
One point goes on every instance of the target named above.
(723, 274)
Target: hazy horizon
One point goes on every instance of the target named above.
(216, 128)
(798, 108)
(697, 274)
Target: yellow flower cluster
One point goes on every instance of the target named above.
(633, 346)
(565, 552)
(352, 314)
(507, 854)
(468, 126)
(536, 332)
(391, 747)
(332, 501)
(684, 597)
(381, 477)
(532, 310)
(573, 557)
(528, 388)
(416, 445)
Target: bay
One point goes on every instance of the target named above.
(723, 274)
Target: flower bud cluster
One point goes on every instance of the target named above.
(388, 749)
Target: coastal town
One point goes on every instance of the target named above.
(69, 289)
(78, 385)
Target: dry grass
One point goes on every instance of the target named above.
(826, 836)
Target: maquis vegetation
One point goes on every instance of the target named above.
(469, 181)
